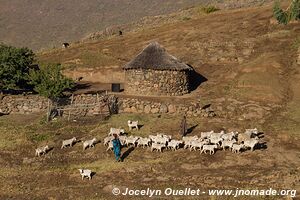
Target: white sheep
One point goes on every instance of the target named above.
(236, 148)
(251, 131)
(122, 139)
(209, 147)
(198, 144)
(229, 136)
(144, 142)
(68, 142)
(118, 131)
(85, 173)
(107, 140)
(216, 140)
(227, 143)
(41, 150)
(160, 140)
(174, 144)
(157, 147)
(133, 124)
(206, 134)
(217, 135)
(89, 143)
(110, 146)
(251, 143)
(131, 140)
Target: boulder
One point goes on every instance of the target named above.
(171, 108)
(163, 108)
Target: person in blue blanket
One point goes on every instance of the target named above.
(117, 147)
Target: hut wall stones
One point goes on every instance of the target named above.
(157, 82)
(155, 72)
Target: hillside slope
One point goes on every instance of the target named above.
(48, 23)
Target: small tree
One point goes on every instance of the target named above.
(49, 81)
(14, 66)
(285, 16)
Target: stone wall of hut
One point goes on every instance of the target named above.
(156, 82)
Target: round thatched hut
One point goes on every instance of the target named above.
(155, 72)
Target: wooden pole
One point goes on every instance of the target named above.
(72, 99)
(48, 111)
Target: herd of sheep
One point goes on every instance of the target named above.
(207, 142)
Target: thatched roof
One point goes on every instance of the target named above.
(155, 57)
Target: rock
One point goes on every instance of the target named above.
(133, 109)
(154, 110)
(127, 110)
(147, 109)
(163, 108)
(171, 108)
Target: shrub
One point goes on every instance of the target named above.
(209, 9)
(285, 16)
(15, 64)
(49, 81)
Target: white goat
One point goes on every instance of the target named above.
(133, 124)
(118, 131)
(227, 143)
(216, 140)
(251, 143)
(251, 131)
(131, 140)
(41, 150)
(209, 147)
(229, 136)
(198, 144)
(107, 140)
(217, 135)
(68, 142)
(174, 144)
(85, 173)
(157, 147)
(206, 134)
(89, 143)
(236, 148)
(144, 142)
(110, 146)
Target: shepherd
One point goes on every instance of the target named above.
(183, 126)
(117, 147)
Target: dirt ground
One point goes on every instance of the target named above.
(253, 81)
(274, 164)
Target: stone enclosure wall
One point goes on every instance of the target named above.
(128, 105)
(22, 104)
(87, 104)
(33, 104)
(157, 82)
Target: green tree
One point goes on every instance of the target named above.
(285, 16)
(49, 81)
(14, 66)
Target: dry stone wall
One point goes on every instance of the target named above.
(129, 105)
(34, 103)
(157, 82)
(22, 104)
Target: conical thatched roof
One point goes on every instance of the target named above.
(155, 57)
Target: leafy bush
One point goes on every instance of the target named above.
(209, 9)
(49, 81)
(285, 16)
(14, 66)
